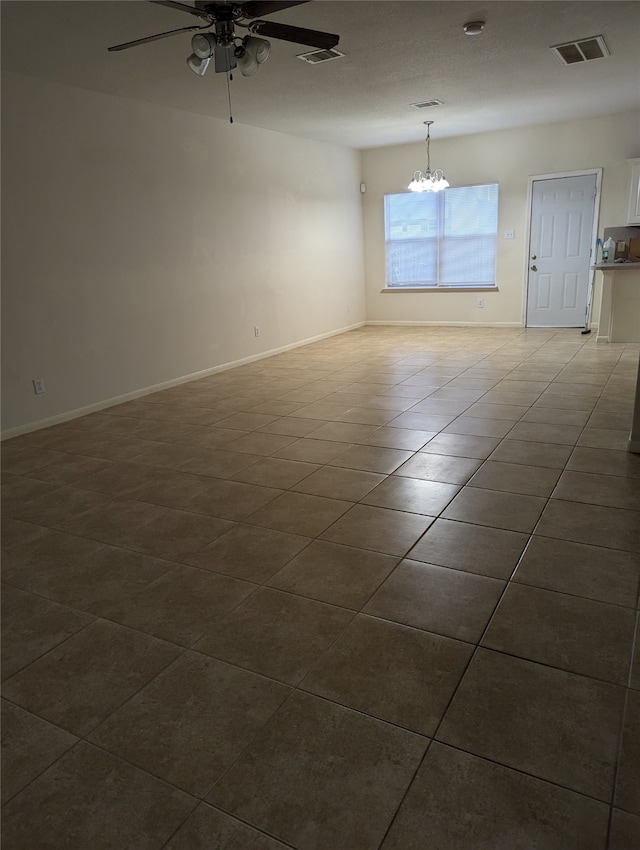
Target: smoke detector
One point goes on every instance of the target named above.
(473, 27)
(584, 50)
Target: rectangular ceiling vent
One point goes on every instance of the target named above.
(581, 51)
(425, 104)
(316, 56)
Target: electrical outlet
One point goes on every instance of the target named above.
(38, 385)
(480, 302)
(256, 331)
(348, 308)
(509, 234)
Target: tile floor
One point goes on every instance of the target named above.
(380, 591)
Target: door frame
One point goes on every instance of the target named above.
(534, 178)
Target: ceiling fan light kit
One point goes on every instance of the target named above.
(428, 180)
(223, 45)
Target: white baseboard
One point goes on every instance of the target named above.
(68, 415)
(448, 324)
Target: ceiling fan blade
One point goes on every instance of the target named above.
(257, 8)
(181, 7)
(299, 35)
(150, 38)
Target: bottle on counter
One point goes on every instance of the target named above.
(609, 251)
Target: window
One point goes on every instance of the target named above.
(445, 239)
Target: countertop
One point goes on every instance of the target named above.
(614, 267)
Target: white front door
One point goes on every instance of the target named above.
(560, 251)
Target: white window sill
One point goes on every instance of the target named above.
(440, 289)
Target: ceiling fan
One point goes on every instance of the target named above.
(223, 46)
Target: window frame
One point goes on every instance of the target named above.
(437, 286)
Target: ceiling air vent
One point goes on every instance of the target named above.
(426, 103)
(316, 56)
(581, 51)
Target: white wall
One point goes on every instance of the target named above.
(507, 157)
(142, 244)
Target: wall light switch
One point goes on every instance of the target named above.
(509, 234)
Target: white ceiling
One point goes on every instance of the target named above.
(397, 53)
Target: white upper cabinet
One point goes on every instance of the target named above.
(633, 211)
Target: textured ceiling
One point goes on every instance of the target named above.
(397, 53)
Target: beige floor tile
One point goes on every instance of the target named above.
(248, 552)
(422, 421)
(604, 462)
(371, 459)
(460, 445)
(580, 635)
(299, 513)
(436, 467)
(566, 435)
(181, 605)
(441, 406)
(259, 443)
(63, 468)
(599, 526)
(610, 490)
(213, 437)
(510, 511)
(556, 416)
(52, 509)
(313, 758)
(312, 450)
(192, 721)
(339, 575)
(80, 682)
(204, 491)
(411, 494)
(29, 746)
(399, 674)
(245, 421)
(479, 427)
(492, 552)
(397, 438)
(603, 438)
(548, 455)
(516, 478)
(32, 626)
(625, 831)
(502, 808)
(339, 483)
(218, 463)
(209, 828)
(276, 472)
(509, 412)
(292, 426)
(378, 529)
(627, 794)
(91, 799)
(231, 500)
(605, 420)
(436, 599)
(552, 724)
(299, 631)
(608, 575)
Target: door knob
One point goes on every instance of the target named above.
(533, 257)
(533, 268)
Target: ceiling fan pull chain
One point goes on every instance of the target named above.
(229, 78)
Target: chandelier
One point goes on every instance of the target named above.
(428, 180)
